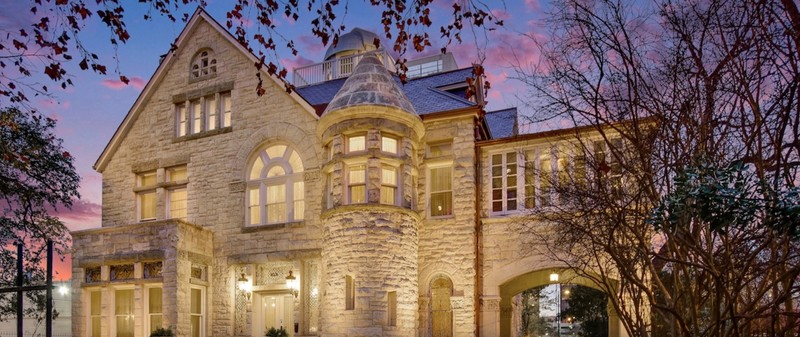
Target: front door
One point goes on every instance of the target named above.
(277, 311)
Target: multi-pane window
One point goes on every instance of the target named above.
(545, 178)
(146, 195)
(389, 144)
(275, 191)
(123, 313)
(203, 114)
(356, 143)
(95, 313)
(504, 182)
(357, 184)
(440, 190)
(388, 185)
(155, 309)
(197, 312)
(177, 194)
(204, 64)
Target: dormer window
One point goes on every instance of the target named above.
(204, 64)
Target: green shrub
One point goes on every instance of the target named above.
(162, 332)
(277, 332)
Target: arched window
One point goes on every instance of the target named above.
(275, 189)
(204, 64)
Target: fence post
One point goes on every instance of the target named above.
(20, 275)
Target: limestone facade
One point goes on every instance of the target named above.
(366, 268)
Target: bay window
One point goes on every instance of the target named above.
(389, 144)
(357, 184)
(388, 185)
(356, 143)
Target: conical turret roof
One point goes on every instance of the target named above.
(370, 84)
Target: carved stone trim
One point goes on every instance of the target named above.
(237, 187)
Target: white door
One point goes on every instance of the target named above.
(278, 311)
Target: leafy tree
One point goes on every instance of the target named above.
(36, 177)
(688, 210)
(54, 37)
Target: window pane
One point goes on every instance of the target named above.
(276, 151)
(154, 300)
(147, 179)
(95, 327)
(147, 204)
(389, 176)
(389, 144)
(358, 194)
(387, 194)
(276, 213)
(299, 204)
(96, 303)
(195, 326)
(295, 162)
(276, 171)
(441, 203)
(123, 310)
(258, 166)
(357, 174)
(254, 205)
(441, 179)
(211, 108)
(196, 301)
(197, 116)
(177, 173)
(356, 143)
(276, 194)
(276, 203)
(226, 108)
(182, 120)
(155, 322)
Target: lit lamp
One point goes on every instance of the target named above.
(291, 283)
(244, 286)
(554, 277)
(63, 290)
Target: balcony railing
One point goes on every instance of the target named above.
(335, 68)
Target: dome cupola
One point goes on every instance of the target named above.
(356, 41)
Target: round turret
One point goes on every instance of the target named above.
(370, 236)
(354, 42)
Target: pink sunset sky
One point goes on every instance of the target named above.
(89, 112)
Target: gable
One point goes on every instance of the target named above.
(199, 18)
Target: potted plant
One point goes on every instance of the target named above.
(272, 332)
(162, 332)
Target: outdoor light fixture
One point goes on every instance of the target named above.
(63, 290)
(293, 284)
(554, 277)
(245, 286)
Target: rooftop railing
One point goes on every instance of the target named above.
(335, 68)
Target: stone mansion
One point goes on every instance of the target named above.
(353, 206)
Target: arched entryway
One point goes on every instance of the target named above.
(441, 309)
(541, 278)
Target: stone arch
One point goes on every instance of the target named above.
(513, 285)
(281, 132)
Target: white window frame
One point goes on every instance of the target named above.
(396, 185)
(287, 180)
(428, 184)
(146, 308)
(203, 64)
(178, 185)
(113, 306)
(347, 184)
(225, 108)
(198, 110)
(203, 313)
(396, 140)
(181, 120)
(504, 183)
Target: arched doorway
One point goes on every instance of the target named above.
(441, 310)
(512, 290)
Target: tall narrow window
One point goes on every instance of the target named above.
(211, 112)
(392, 307)
(356, 143)
(95, 310)
(275, 192)
(545, 178)
(441, 191)
(579, 164)
(123, 313)
(226, 108)
(146, 195)
(504, 182)
(601, 164)
(356, 184)
(197, 312)
(530, 178)
(197, 116)
(388, 185)
(389, 144)
(349, 293)
(615, 169)
(154, 308)
(183, 126)
(177, 195)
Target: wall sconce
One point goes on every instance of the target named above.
(293, 284)
(553, 277)
(245, 286)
